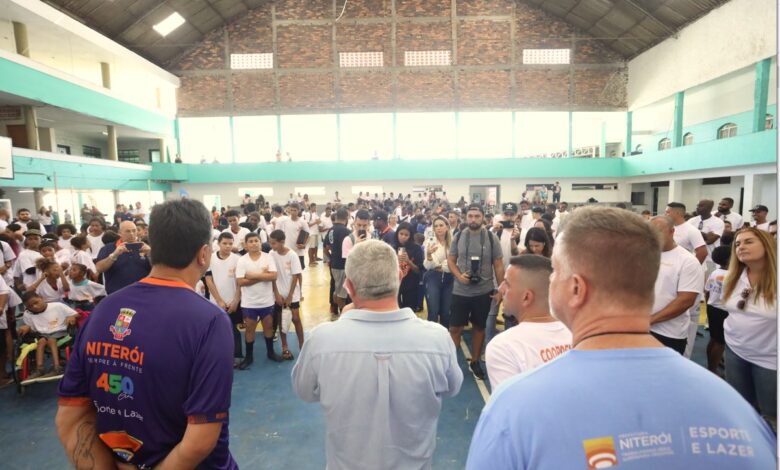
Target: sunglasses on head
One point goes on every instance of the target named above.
(701, 225)
(744, 296)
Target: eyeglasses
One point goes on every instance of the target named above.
(743, 301)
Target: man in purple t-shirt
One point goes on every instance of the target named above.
(149, 380)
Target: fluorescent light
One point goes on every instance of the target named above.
(26, 191)
(167, 25)
(104, 133)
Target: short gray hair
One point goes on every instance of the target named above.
(372, 267)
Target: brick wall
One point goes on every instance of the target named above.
(487, 71)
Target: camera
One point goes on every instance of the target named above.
(474, 271)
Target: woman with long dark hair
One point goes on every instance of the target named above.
(537, 242)
(410, 260)
(749, 296)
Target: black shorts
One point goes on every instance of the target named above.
(715, 318)
(278, 308)
(470, 309)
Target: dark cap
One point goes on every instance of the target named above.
(32, 232)
(509, 207)
(380, 215)
(759, 208)
(475, 207)
(538, 209)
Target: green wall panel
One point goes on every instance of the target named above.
(20, 80)
(40, 173)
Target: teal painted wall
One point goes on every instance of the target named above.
(40, 173)
(708, 131)
(23, 81)
(748, 149)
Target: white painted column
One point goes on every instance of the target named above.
(675, 191)
(749, 197)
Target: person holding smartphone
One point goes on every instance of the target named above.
(125, 261)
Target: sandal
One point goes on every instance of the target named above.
(287, 355)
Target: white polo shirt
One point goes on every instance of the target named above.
(680, 271)
(732, 217)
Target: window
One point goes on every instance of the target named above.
(664, 144)
(367, 190)
(310, 190)
(485, 134)
(309, 137)
(688, 138)
(63, 149)
(547, 56)
(129, 156)
(90, 151)
(166, 26)
(727, 130)
(366, 136)
(361, 59)
(205, 139)
(426, 136)
(255, 138)
(770, 122)
(154, 156)
(427, 58)
(264, 60)
(254, 192)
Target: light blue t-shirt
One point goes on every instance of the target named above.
(627, 408)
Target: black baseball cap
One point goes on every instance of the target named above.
(759, 208)
(538, 209)
(475, 207)
(509, 207)
(380, 215)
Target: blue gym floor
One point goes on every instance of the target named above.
(269, 426)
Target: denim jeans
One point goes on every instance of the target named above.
(756, 384)
(438, 295)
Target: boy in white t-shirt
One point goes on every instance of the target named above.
(538, 338)
(287, 288)
(255, 274)
(221, 281)
(716, 315)
(239, 233)
(48, 323)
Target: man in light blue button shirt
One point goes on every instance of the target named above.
(379, 372)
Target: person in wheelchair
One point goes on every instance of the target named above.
(46, 323)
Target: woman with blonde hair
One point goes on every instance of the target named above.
(751, 327)
(438, 278)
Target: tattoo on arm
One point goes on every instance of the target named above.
(82, 453)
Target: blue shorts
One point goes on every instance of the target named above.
(257, 314)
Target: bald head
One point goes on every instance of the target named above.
(128, 232)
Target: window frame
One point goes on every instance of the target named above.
(730, 130)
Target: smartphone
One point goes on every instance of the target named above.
(134, 247)
(507, 224)
(362, 233)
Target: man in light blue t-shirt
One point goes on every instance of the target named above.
(619, 398)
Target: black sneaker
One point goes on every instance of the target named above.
(476, 369)
(275, 357)
(245, 363)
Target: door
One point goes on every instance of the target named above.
(655, 201)
(18, 135)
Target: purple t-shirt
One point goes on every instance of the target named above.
(151, 359)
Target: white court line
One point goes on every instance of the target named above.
(480, 384)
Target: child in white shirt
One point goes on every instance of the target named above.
(84, 294)
(287, 288)
(52, 285)
(716, 314)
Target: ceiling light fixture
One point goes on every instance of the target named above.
(166, 26)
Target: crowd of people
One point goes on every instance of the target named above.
(602, 303)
